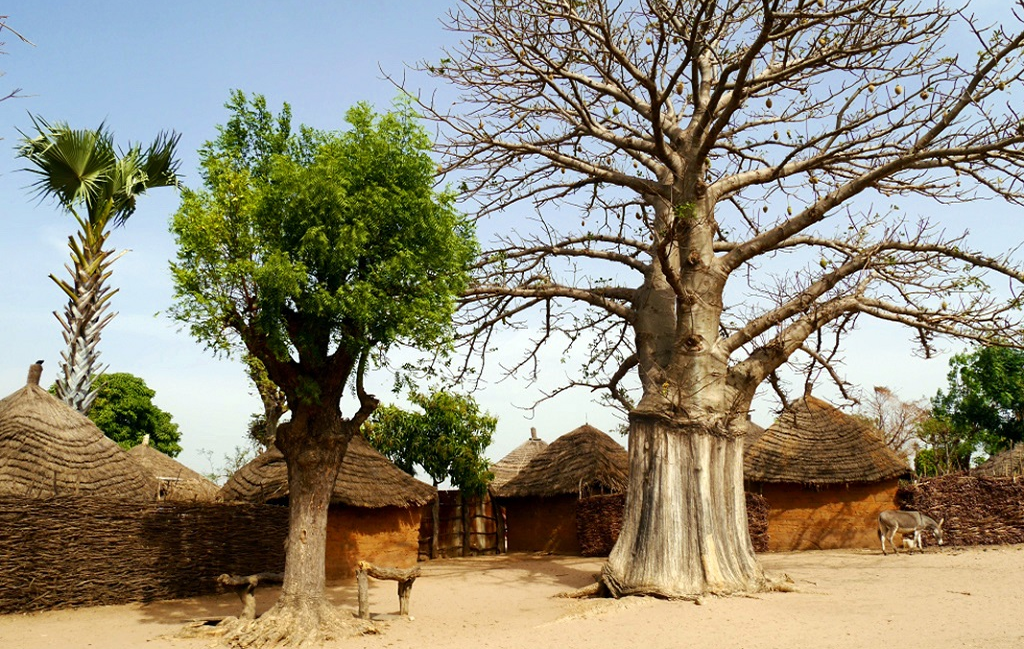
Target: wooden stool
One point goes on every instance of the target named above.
(405, 578)
(245, 588)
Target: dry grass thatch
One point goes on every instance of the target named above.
(584, 462)
(754, 433)
(813, 443)
(510, 465)
(366, 479)
(177, 481)
(1007, 464)
(48, 449)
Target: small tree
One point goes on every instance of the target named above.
(125, 412)
(83, 171)
(316, 251)
(447, 439)
(946, 450)
(898, 420)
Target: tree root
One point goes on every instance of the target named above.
(310, 624)
(587, 592)
(610, 586)
(780, 584)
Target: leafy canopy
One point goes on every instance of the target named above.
(81, 167)
(984, 401)
(448, 438)
(315, 246)
(125, 412)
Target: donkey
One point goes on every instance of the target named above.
(894, 520)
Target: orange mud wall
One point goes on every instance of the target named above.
(837, 516)
(541, 524)
(387, 537)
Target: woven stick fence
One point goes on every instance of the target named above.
(977, 510)
(65, 552)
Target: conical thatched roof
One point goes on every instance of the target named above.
(812, 442)
(366, 479)
(584, 461)
(754, 433)
(49, 449)
(177, 481)
(1007, 464)
(510, 465)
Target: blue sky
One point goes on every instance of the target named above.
(145, 67)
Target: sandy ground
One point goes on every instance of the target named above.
(857, 599)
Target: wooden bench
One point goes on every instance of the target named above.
(405, 579)
(245, 588)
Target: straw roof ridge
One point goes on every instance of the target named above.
(581, 462)
(813, 442)
(182, 483)
(366, 479)
(509, 466)
(1005, 464)
(48, 449)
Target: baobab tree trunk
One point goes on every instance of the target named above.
(303, 615)
(684, 532)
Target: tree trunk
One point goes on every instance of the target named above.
(684, 530)
(311, 476)
(435, 515)
(302, 614)
(466, 522)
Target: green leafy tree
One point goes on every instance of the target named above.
(263, 426)
(125, 412)
(98, 186)
(315, 251)
(982, 408)
(447, 439)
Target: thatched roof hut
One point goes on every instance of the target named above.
(49, 449)
(814, 443)
(510, 465)
(1007, 464)
(753, 433)
(375, 513)
(176, 481)
(583, 462)
(825, 476)
(367, 479)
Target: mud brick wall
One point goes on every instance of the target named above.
(599, 521)
(542, 524)
(803, 517)
(386, 537)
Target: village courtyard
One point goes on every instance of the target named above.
(942, 598)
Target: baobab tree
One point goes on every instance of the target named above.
(715, 182)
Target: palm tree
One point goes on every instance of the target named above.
(84, 173)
